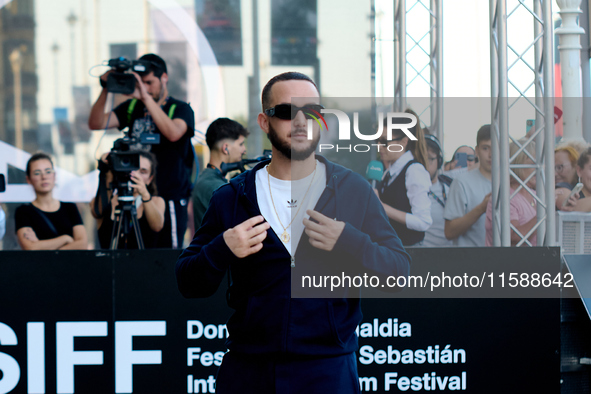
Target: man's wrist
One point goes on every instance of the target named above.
(483, 207)
(145, 98)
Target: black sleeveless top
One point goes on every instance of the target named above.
(395, 195)
(105, 231)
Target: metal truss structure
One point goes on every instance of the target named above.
(427, 69)
(505, 57)
(506, 93)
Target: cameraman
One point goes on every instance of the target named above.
(151, 110)
(150, 208)
(225, 140)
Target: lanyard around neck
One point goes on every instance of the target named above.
(442, 203)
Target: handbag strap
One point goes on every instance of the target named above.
(45, 219)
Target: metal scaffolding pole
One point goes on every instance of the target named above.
(429, 73)
(438, 56)
(538, 52)
(499, 125)
(548, 75)
(503, 125)
(494, 93)
(400, 55)
(542, 133)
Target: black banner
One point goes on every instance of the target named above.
(104, 322)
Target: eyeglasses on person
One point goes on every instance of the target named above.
(289, 111)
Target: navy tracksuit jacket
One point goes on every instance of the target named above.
(267, 320)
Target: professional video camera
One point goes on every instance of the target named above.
(122, 160)
(241, 165)
(121, 81)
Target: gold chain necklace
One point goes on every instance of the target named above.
(285, 236)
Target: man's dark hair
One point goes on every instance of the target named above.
(287, 76)
(157, 65)
(483, 134)
(224, 128)
(36, 157)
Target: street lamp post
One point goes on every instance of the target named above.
(16, 63)
(72, 19)
(55, 48)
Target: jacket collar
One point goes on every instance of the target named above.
(245, 187)
(244, 184)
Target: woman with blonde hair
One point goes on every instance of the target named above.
(565, 163)
(581, 202)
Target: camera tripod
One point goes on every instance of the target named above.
(125, 221)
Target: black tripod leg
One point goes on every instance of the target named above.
(136, 227)
(125, 220)
(116, 234)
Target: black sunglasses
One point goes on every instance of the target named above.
(289, 111)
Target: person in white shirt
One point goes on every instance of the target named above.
(404, 189)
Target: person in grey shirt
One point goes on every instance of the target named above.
(225, 140)
(468, 197)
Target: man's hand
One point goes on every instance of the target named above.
(140, 92)
(247, 237)
(325, 233)
(105, 76)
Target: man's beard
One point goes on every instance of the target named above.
(285, 149)
(158, 96)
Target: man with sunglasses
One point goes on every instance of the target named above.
(151, 110)
(289, 216)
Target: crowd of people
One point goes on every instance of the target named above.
(459, 208)
(293, 204)
(429, 202)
